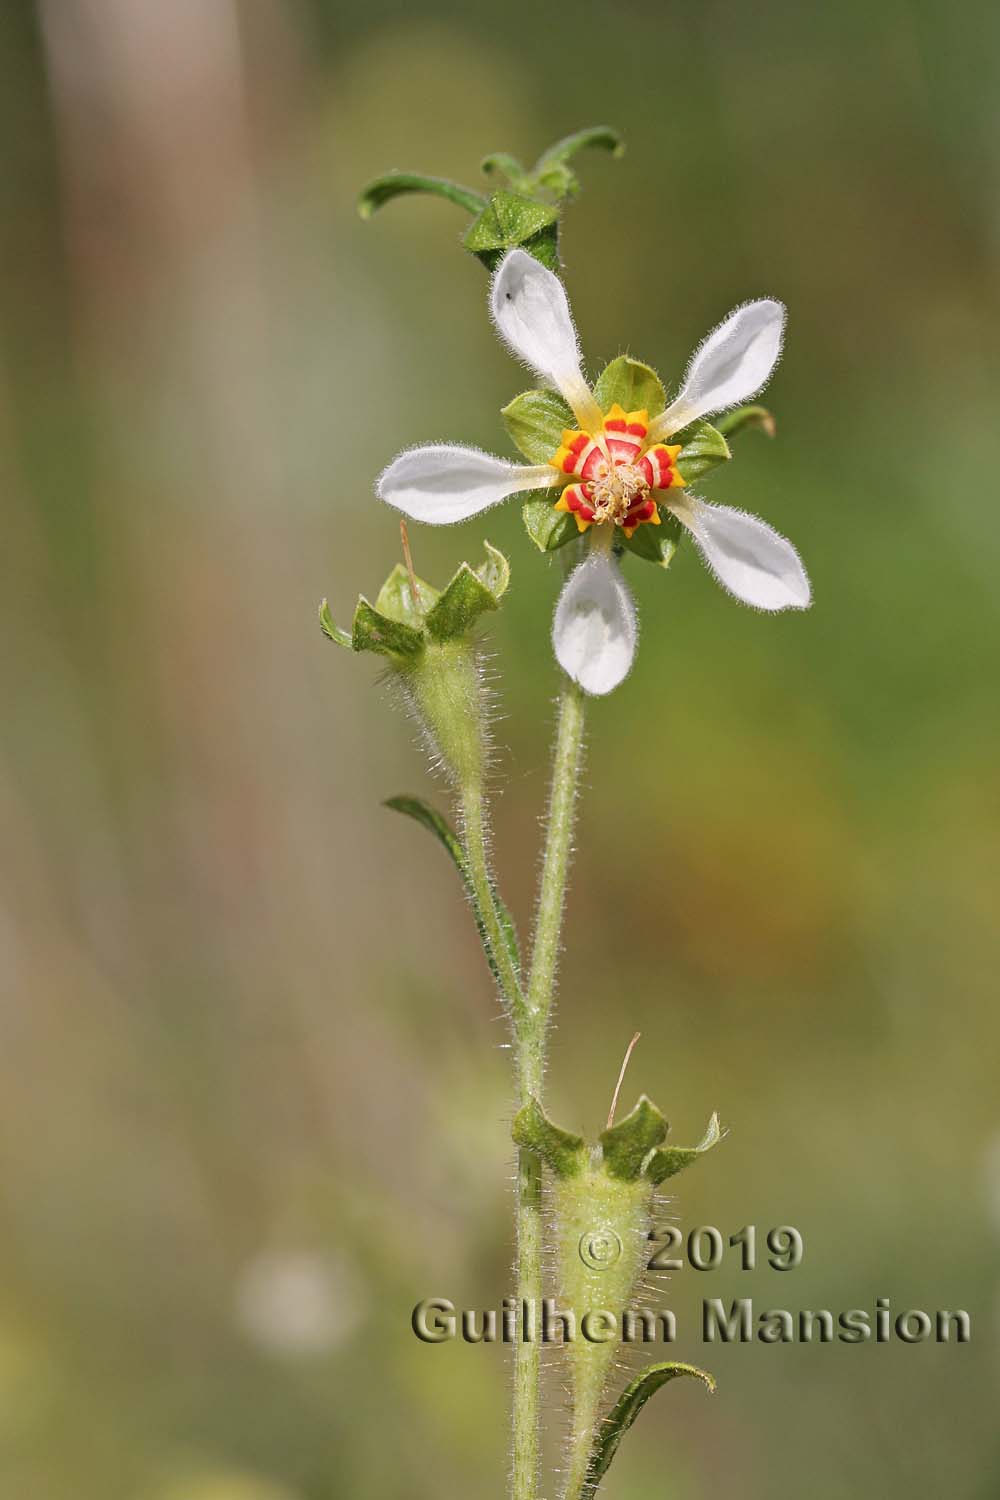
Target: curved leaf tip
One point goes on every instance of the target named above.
(624, 1412)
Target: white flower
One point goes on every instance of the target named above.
(615, 470)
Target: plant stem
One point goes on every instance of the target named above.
(530, 1014)
(508, 978)
(530, 1040)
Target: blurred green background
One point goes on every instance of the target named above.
(253, 1092)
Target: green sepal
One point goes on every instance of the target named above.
(468, 596)
(627, 1144)
(396, 598)
(330, 630)
(373, 631)
(632, 384)
(512, 219)
(656, 544)
(747, 416)
(669, 1160)
(702, 448)
(551, 171)
(564, 1153)
(395, 184)
(548, 528)
(624, 1412)
(536, 421)
(437, 824)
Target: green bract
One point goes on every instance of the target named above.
(400, 625)
(425, 633)
(524, 214)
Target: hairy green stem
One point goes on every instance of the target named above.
(530, 1014)
(530, 1040)
(482, 883)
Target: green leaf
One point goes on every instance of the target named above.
(627, 1144)
(330, 630)
(395, 184)
(593, 135)
(459, 607)
(511, 219)
(747, 416)
(494, 572)
(702, 448)
(435, 823)
(656, 544)
(396, 599)
(632, 384)
(501, 161)
(624, 1412)
(672, 1159)
(548, 528)
(536, 421)
(373, 631)
(562, 1151)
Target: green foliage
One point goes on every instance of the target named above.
(626, 1145)
(656, 544)
(398, 600)
(702, 448)
(669, 1160)
(552, 172)
(373, 631)
(624, 1412)
(563, 1152)
(747, 416)
(547, 527)
(330, 630)
(509, 220)
(396, 184)
(437, 824)
(536, 421)
(469, 595)
(632, 384)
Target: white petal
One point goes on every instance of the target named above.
(595, 628)
(733, 364)
(748, 557)
(531, 312)
(445, 482)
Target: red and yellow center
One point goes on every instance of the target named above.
(615, 474)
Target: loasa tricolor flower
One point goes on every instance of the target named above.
(615, 472)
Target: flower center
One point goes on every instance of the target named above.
(615, 488)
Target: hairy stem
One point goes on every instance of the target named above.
(482, 883)
(530, 1040)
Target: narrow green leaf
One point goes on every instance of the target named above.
(627, 1144)
(747, 416)
(656, 544)
(536, 421)
(396, 599)
(632, 384)
(594, 135)
(702, 448)
(435, 823)
(669, 1160)
(395, 184)
(548, 528)
(330, 630)
(562, 1151)
(373, 631)
(624, 1412)
(501, 161)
